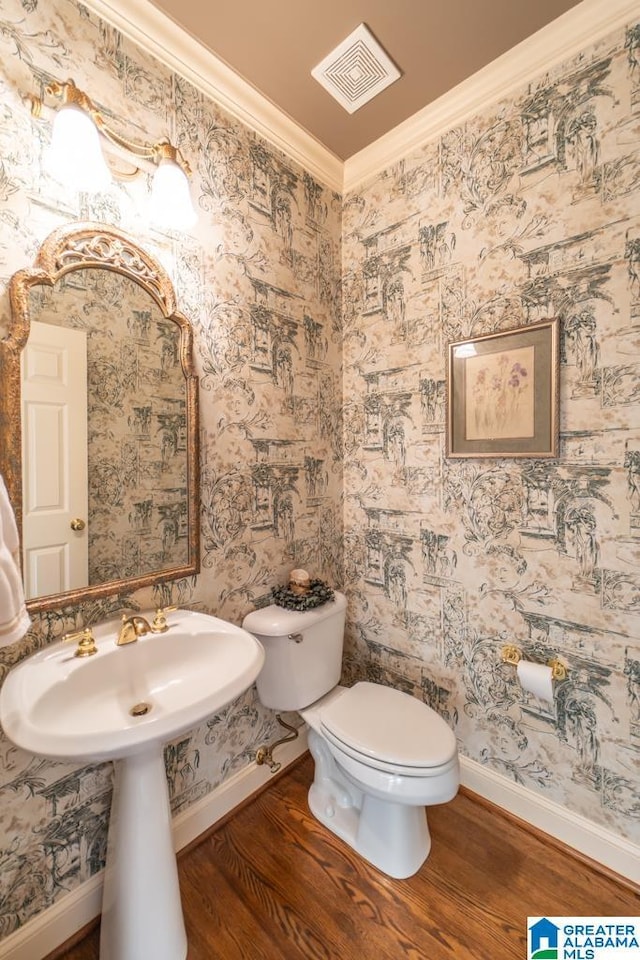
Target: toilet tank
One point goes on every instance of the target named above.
(303, 652)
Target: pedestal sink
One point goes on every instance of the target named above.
(123, 704)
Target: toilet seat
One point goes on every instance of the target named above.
(389, 731)
(353, 760)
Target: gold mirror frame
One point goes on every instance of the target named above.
(81, 246)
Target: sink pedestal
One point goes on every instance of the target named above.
(141, 912)
(80, 710)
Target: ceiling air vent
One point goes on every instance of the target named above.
(357, 70)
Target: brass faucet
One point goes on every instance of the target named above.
(86, 644)
(160, 624)
(132, 628)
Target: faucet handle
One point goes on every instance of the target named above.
(160, 624)
(86, 643)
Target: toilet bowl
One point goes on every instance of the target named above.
(381, 756)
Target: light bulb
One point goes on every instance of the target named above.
(171, 204)
(74, 156)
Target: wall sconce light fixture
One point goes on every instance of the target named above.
(75, 156)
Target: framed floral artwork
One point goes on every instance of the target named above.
(502, 393)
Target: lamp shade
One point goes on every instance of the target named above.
(74, 157)
(171, 204)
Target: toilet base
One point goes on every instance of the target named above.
(392, 836)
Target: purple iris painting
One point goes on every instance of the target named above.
(499, 391)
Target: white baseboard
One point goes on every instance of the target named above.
(201, 815)
(39, 936)
(590, 839)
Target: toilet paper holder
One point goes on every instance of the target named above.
(512, 654)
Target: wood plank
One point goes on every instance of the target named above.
(274, 884)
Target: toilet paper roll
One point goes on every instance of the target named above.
(536, 678)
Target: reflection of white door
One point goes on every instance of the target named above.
(54, 460)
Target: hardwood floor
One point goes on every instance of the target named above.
(273, 884)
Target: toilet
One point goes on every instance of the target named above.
(381, 756)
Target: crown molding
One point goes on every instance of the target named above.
(565, 37)
(560, 40)
(158, 35)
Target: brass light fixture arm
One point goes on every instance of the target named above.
(69, 93)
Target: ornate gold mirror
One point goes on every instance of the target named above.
(99, 420)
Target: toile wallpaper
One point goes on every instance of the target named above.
(259, 279)
(528, 210)
(136, 421)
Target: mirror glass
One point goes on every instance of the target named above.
(103, 438)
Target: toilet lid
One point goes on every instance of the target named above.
(386, 724)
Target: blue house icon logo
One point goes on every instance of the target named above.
(543, 940)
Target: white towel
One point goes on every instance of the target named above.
(14, 619)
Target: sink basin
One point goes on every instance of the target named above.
(72, 708)
(123, 704)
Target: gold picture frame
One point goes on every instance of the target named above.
(503, 392)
